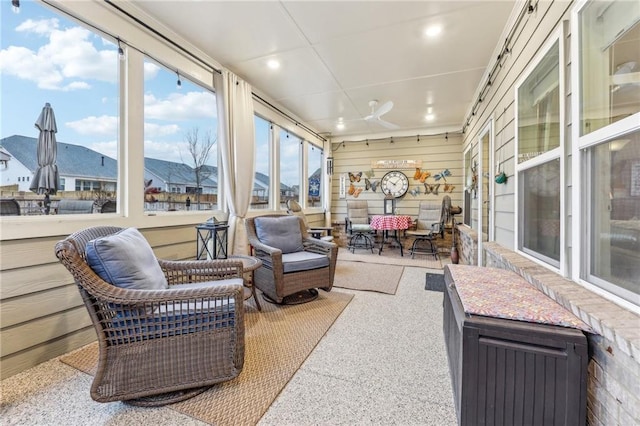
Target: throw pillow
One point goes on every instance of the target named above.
(282, 232)
(125, 259)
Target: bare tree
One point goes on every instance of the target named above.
(199, 151)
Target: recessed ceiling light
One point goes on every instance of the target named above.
(429, 117)
(433, 30)
(340, 126)
(273, 64)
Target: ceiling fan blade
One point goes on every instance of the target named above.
(384, 108)
(387, 124)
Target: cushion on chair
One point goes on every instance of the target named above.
(125, 259)
(361, 227)
(303, 261)
(281, 232)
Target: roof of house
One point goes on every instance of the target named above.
(179, 173)
(72, 160)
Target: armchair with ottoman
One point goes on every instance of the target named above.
(294, 265)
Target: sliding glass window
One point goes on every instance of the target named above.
(539, 167)
(315, 181)
(261, 183)
(46, 58)
(180, 142)
(290, 166)
(608, 153)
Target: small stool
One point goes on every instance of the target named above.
(426, 239)
(359, 238)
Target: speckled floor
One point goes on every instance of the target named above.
(383, 362)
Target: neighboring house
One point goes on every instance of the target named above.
(179, 178)
(80, 168)
(83, 169)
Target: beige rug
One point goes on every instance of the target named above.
(391, 257)
(278, 340)
(370, 277)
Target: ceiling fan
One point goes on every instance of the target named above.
(375, 115)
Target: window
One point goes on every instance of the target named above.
(260, 198)
(290, 149)
(609, 63)
(607, 152)
(539, 167)
(180, 142)
(315, 181)
(47, 58)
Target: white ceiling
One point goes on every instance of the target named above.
(336, 56)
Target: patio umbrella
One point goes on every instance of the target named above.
(46, 179)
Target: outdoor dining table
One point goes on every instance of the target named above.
(386, 223)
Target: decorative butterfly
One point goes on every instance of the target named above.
(355, 177)
(442, 175)
(431, 189)
(352, 189)
(448, 188)
(424, 176)
(416, 175)
(369, 173)
(415, 191)
(357, 192)
(369, 185)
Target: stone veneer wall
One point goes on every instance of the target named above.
(467, 245)
(613, 392)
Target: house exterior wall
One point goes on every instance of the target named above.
(614, 367)
(15, 173)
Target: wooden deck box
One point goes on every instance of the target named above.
(515, 357)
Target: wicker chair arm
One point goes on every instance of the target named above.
(193, 271)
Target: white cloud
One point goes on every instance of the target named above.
(169, 151)
(154, 130)
(65, 62)
(41, 26)
(92, 125)
(178, 106)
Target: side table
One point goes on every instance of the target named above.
(249, 265)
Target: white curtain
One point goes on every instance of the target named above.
(237, 146)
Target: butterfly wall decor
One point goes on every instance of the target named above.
(415, 191)
(369, 173)
(442, 175)
(352, 189)
(355, 177)
(421, 175)
(448, 188)
(371, 185)
(357, 192)
(431, 189)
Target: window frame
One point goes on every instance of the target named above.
(555, 37)
(581, 177)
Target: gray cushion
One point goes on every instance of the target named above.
(303, 261)
(125, 259)
(281, 232)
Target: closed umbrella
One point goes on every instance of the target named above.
(46, 179)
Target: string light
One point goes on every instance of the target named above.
(120, 51)
(179, 82)
(15, 6)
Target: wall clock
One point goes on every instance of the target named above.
(395, 183)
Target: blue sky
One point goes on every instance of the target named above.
(45, 57)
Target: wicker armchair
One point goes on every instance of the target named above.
(161, 346)
(285, 272)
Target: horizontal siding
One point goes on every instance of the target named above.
(41, 312)
(39, 353)
(436, 154)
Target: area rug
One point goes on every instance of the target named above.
(369, 277)
(278, 340)
(434, 282)
(390, 257)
